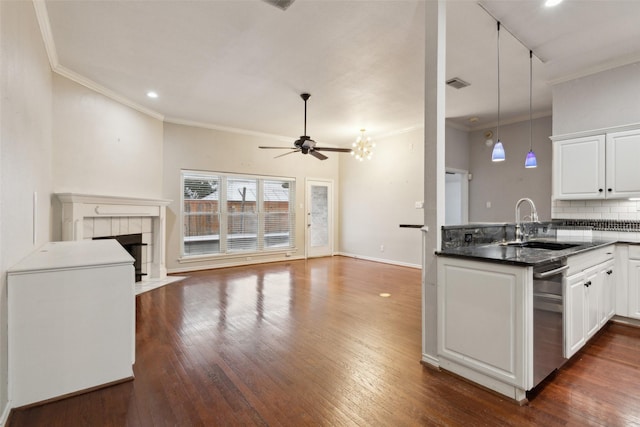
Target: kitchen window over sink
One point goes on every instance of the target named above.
(226, 213)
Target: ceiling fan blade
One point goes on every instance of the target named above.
(278, 148)
(280, 4)
(286, 154)
(339, 150)
(317, 155)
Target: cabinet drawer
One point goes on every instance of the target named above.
(582, 261)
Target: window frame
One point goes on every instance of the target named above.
(223, 215)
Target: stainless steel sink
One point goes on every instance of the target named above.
(534, 244)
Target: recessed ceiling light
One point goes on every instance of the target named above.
(551, 3)
(152, 94)
(385, 295)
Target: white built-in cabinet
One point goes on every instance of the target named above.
(71, 320)
(589, 296)
(597, 166)
(634, 282)
(485, 323)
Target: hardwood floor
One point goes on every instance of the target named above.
(313, 343)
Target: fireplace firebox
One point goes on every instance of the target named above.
(132, 243)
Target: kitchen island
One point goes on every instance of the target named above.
(498, 304)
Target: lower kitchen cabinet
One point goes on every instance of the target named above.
(634, 282)
(589, 303)
(485, 323)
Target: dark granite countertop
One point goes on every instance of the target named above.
(515, 255)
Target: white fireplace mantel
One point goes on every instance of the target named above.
(77, 207)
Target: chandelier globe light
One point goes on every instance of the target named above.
(363, 147)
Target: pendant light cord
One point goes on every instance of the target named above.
(498, 127)
(530, 99)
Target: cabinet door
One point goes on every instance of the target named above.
(574, 314)
(592, 286)
(623, 174)
(634, 288)
(607, 292)
(579, 168)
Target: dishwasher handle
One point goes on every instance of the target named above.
(545, 274)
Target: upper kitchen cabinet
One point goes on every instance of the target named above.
(623, 174)
(579, 168)
(597, 167)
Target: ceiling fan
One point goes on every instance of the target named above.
(280, 4)
(305, 144)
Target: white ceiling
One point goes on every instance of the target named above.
(242, 64)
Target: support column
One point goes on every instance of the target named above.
(434, 170)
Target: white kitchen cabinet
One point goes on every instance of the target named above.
(485, 323)
(579, 168)
(575, 304)
(622, 172)
(71, 320)
(597, 167)
(589, 297)
(607, 292)
(634, 281)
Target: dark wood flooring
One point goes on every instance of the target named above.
(313, 343)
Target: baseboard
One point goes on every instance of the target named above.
(201, 267)
(382, 260)
(5, 414)
(430, 361)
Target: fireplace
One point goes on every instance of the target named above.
(132, 243)
(92, 216)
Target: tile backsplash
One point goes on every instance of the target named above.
(616, 210)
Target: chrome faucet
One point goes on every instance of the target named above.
(534, 216)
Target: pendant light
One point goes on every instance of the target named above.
(530, 161)
(497, 155)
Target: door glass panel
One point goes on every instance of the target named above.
(319, 233)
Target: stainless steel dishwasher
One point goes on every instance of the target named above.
(548, 304)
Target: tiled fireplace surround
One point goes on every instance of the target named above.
(88, 216)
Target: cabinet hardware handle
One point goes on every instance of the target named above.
(609, 190)
(600, 190)
(546, 274)
(588, 283)
(609, 271)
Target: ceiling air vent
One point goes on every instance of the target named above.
(457, 83)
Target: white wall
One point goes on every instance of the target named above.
(194, 148)
(457, 149)
(378, 195)
(103, 147)
(503, 183)
(610, 98)
(25, 150)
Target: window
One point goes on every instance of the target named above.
(225, 213)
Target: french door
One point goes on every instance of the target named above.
(319, 235)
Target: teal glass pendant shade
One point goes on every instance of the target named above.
(531, 161)
(497, 155)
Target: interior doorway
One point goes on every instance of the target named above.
(456, 193)
(319, 235)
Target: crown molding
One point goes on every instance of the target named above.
(42, 15)
(183, 122)
(620, 62)
(516, 119)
